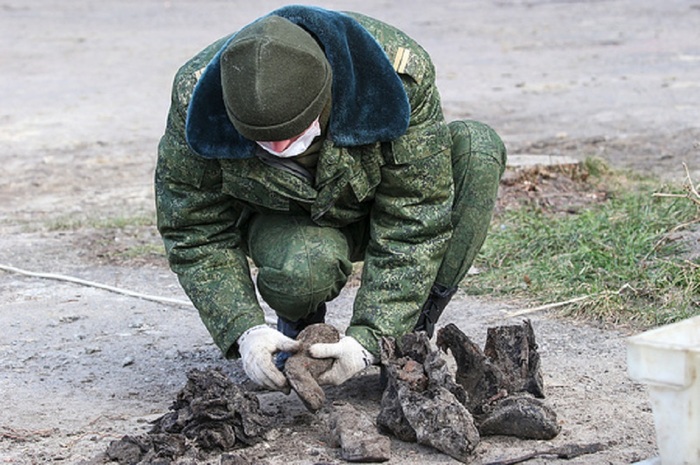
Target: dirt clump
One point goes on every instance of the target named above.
(421, 402)
(211, 415)
(357, 436)
(497, 391)
(521, 416)
(503, 382)
(302, 370)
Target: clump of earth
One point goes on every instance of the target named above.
(497, 391)
(210, 416)
(504, 382)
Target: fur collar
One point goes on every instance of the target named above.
(369, 102)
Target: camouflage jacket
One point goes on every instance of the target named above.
(396, 175)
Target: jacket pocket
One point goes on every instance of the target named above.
(253, 192)
(418, 144)
(368, 174)
(186, 168)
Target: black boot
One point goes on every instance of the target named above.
(293, 328)
(432, 308)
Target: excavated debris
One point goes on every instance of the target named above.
(421, 402)
(494, 391)
(211, 415)
(302, 370)
(519, 415)
(503, 382)
(357, 436)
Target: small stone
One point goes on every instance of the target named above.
(521, 416)
(357, 436)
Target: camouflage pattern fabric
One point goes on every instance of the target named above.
(478, 161)
(300, 264)
(389, 204)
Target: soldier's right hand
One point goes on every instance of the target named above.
(257, 347)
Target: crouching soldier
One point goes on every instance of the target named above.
(306, 141)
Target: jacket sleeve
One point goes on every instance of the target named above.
(409, 224)
(199, 228)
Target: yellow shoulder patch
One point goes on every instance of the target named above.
(401, 60)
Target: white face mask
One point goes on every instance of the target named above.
(299, 146)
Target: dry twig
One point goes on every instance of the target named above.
(17, 435)
(567, 451)
(692, 193)
(564, 303)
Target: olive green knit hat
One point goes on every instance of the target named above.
(275, 80)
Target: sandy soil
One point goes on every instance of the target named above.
(85, 88)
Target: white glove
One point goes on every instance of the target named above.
(257, 346)
(350, 358)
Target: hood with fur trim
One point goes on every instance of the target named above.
(369, 101)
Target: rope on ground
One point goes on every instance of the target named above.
(117, 290)
(71, 279)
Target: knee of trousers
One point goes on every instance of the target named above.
(474, 139)
(301, 280)
(478, 162)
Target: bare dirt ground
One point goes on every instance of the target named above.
(85, 88)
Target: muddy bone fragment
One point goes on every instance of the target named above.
(215, 412)
(513, 349)
(147, 449)
(503, 382)
(421, 402)
(521, 416)
(566, 451)
(210, 415)
(476, 373)
(357, 436)
(303, 371)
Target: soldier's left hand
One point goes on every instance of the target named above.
(350, 358)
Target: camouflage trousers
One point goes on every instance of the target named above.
(301, 265)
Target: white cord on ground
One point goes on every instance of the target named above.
(70, 279)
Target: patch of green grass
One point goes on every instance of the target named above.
(69, 223)
(614, 253)
(152, 250)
